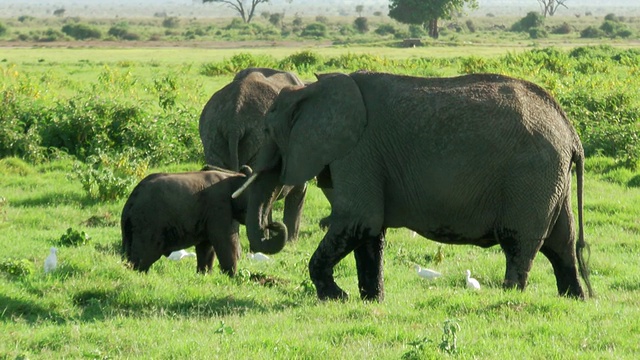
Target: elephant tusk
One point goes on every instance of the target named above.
(244, 186)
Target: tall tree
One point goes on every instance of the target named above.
(427, 12)
(246, 8)
(549, 7)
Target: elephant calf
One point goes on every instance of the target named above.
(169, 212)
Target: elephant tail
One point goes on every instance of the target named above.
(581, 244)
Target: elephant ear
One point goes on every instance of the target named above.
(326, 123)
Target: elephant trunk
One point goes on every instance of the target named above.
(264, 235)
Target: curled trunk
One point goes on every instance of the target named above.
(264, 235)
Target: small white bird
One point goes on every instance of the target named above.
(258, 257)
(427, 273)
(180, 254)
(471, 282)
(51, 261)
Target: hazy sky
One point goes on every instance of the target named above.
(126, 8)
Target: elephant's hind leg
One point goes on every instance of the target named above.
(520, 254)
(559, 248)
(370, 271)
(205, 255)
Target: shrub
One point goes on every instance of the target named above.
(109, 177)
(591, 32)
(121, 31)
(17, 267)
(385, 29)
(236, 63)
(81, 31)
(615, 29)
(416, 31)
(318, 30)
(50, 35)
(301, 60)
(3, 29)
(532, 20)
(361, 24)
(74, 238)
(562, 29)
(322, 19)
(471, 26)
(25, 18)
(354, 62)
(276, 19)
(611, 17)
(538, 33)
(171, 22)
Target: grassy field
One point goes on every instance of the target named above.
(94, 307)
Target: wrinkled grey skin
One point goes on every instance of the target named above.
(478, 159)
(232, 131)
(231, 123)
(169, 212)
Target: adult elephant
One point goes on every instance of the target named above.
(478, 159)
(232, 131)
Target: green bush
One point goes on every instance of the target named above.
(109, 177)
(318, 30)
(17, 267)
(562, 29)
(50, 35)
(81, 31)
(538, 33)
(236, 63)
(3, 29)
(416, 31)
(361, 24)
(385, 29)
(122, 32)
(74, 238)
(615, 29)
(532, 20)
(171, 22)
(591, 32)
(470, 25)
(302, 60)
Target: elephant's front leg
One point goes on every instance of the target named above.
(204, 257)
(369, 264)
(334, 247)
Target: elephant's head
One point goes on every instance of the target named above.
(307, 129)
(313, 126)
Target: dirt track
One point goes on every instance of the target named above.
(163, 44)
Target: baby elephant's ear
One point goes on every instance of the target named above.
(246, 170)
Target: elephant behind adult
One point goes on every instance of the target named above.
(230, 125)
(477, 159)
(232, 131)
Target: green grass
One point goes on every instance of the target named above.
(94, 307)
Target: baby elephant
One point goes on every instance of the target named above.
(169, 212)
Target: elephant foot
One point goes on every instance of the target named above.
(330, 291)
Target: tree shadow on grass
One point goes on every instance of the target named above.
(52, 199)
(98, 305)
